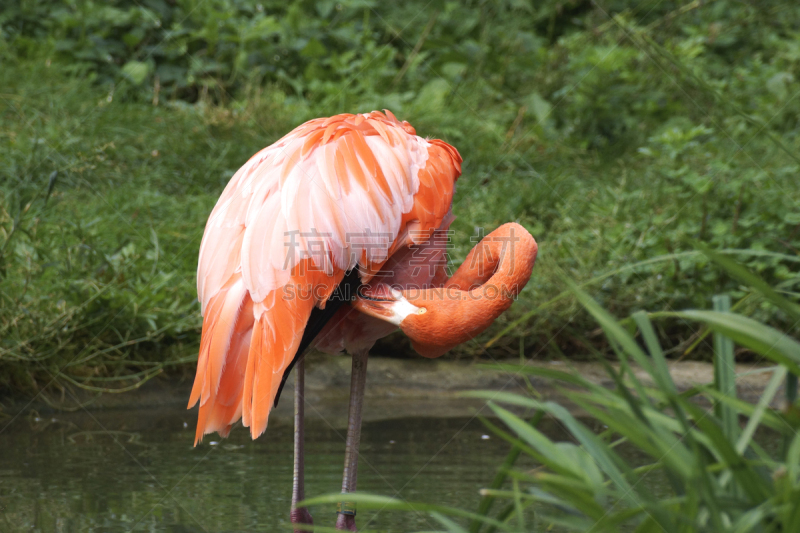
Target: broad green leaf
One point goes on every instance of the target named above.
(578, 493)
(750, 279)
(450, 525)
(751, 520)
(555, 457)
(605, 457)
(136, 71)
(749, 333)
(541, 108)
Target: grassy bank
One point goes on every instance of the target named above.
(615, 141)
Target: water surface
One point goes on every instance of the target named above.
(137, 470)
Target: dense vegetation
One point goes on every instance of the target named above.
(619, 132)
(645, 456)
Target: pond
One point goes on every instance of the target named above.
(132, 466)
(136, 470)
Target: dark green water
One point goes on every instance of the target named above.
(136, 470)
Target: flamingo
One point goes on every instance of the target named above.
(333, 237)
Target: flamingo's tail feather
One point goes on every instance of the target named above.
(246, 349)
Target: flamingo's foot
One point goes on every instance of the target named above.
(301, 516)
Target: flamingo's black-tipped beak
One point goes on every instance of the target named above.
(384, 302)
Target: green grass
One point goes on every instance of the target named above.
(733, 468)
(616, 141)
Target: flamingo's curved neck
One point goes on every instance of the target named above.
(502, 259)
(483, 287)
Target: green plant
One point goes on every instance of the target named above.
(714, 474)
(616, 132)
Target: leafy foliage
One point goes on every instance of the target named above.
(712, 474)
(615, 131)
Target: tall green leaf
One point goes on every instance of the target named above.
(749, 333)
(725, 373)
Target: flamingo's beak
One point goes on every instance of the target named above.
(386, 303)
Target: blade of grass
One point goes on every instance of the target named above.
(725, 373)
(502, 474)
(633, 402)
(750, 279)
(766, 417)
(606, 458)
(752, 484)
(660, 259)
(518, 505)
(369, 501)
(660, 445)
(614, 331)
(554, 458)
(527, 450)
(761, 407)
(752, 520)
(749, 333)
(756, 282)
(661, 375)
(451, 526)
(534, 370)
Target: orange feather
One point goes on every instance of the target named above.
(248, 342)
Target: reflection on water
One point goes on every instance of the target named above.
(137, 471)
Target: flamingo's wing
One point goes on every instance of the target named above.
(333, 195)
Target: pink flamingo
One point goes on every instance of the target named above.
(333, 237)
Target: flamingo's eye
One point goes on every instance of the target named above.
(422, 311)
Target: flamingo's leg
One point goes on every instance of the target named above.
(301, 515)
(346, 518)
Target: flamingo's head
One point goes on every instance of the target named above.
(432, 323)
(485, 285)
(386, 303)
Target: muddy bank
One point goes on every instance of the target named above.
(395, 389)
